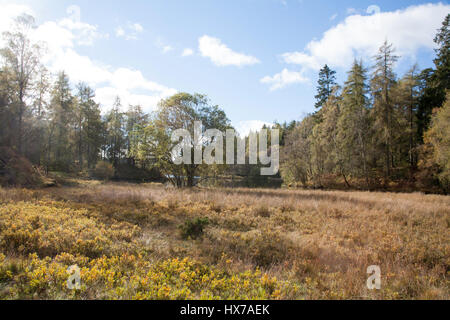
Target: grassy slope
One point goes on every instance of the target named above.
(265, 244)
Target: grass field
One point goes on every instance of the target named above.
(150, 242)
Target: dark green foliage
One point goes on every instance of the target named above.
(434, 83)
(327, 80)
(378, 141)
(193, 229)
(103, 171)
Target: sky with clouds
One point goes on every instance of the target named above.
(257, 59)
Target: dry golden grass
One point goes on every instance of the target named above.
(317, 244)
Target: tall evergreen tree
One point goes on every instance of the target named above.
(327, 80)
(354, 132)
(442, 60)
(435, 82)
(90, 139)
(62, 114)
(383, 80)
(407, 100)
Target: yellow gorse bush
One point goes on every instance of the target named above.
(131, 277)
(50, 236)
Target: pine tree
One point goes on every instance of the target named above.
(435, 82)
(354, 132)
(407, 100)
(91, 125)
(327, 80)
(442, 60)
(383, 80)
(62, 115)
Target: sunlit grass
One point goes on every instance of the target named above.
(258, 244)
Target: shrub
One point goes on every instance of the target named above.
(16, 170)
(269, 248)
(193, 229)
(262, 211)
(103, 170)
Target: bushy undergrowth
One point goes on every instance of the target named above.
(103, 170)
(193, 229)
(258, 244)
(17, 171)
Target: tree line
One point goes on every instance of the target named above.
(62, 129)
(50, 123)
(374, 130)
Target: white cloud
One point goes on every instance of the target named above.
(120, 32)
(283, 79)
(351, 11)
(373, 9)
(163, 46)
(137, 27)
(302, 59)
(245, 127)
(187, 52)
(166, 49)
(79, 68)
(107, 95)
(221, 55)
(63, 36)
(84, 33)
(130, 31)
(333, 17)
(9, 12)
(409, 30)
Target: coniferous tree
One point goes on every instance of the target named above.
(442, 60)
(383, 80)
(92, 127)
(327, 80)
(354, 134)
(62, 115)
(435, 82)
(407, 96)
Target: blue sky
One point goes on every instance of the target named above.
(257, 59)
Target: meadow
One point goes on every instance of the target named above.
(148, 241)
